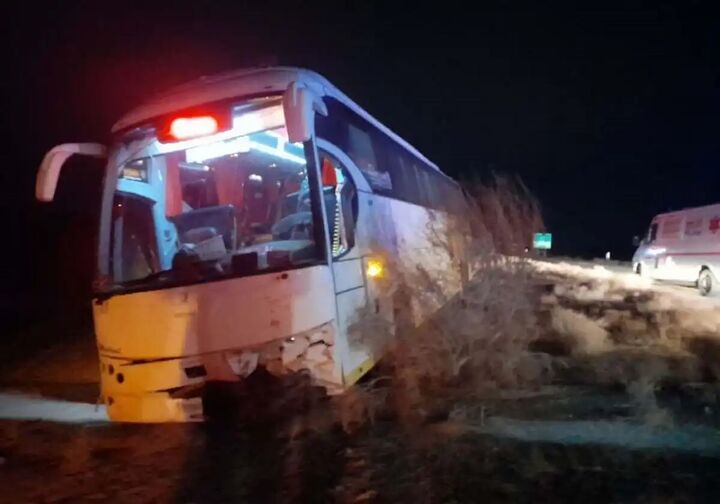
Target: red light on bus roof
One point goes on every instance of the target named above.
(183, 128)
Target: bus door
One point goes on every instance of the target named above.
(351, 292)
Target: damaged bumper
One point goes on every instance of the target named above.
(171, 390)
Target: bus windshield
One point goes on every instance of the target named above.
(233, 203)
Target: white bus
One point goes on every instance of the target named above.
(241, 223)
(682, 247)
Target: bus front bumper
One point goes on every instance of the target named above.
(172, 389)
(157, 391)
(157, 407)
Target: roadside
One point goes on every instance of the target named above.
(618, 401)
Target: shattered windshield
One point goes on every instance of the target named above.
(235, 202)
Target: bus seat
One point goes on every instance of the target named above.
(283, 227)
(229, 183)
(220, 219)
(256, 204)
(197, 235)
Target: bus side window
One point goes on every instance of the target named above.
(652, 232)
(361, 141)
(134, 246)
(341, 204)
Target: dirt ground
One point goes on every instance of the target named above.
(280, 461)
(630, 413)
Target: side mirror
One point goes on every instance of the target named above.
(49, 171)
(299, 107)
(636, 241)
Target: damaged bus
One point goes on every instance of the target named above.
(241, 222)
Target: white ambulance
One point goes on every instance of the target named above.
(682, 247)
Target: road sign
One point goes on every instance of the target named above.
(542, 241)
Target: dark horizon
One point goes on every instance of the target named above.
(607, 114)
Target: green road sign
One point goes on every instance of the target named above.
(542, 241)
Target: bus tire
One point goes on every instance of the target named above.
(705, 282)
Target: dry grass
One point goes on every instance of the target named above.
(623, 330)
(468, 343)
(49, 462)
(610, 329)
(586, 336)
(503, 215)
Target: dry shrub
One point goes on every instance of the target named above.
(634, 310)
(631, 332)
(360, 405)
(476, 344)
(469, 343)
(643, 398)
(586, 336)
(503, 214)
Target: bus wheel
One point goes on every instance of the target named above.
(705, 282)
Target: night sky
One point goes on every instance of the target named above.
(609, 114)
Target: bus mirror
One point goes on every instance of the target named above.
(299, 107)
(636, 241)
(49, 171)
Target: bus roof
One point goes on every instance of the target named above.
(245, 83)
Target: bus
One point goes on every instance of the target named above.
(682, 247)
(246, 219)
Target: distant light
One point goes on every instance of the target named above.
(183, 128)
(255, 177)
(607, 256)
(375, 268)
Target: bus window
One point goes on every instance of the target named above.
(235, 203)
(134, 248)
(360, 149)
(652, 232)
(427, 188)
(341, 204)
(361, 142)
